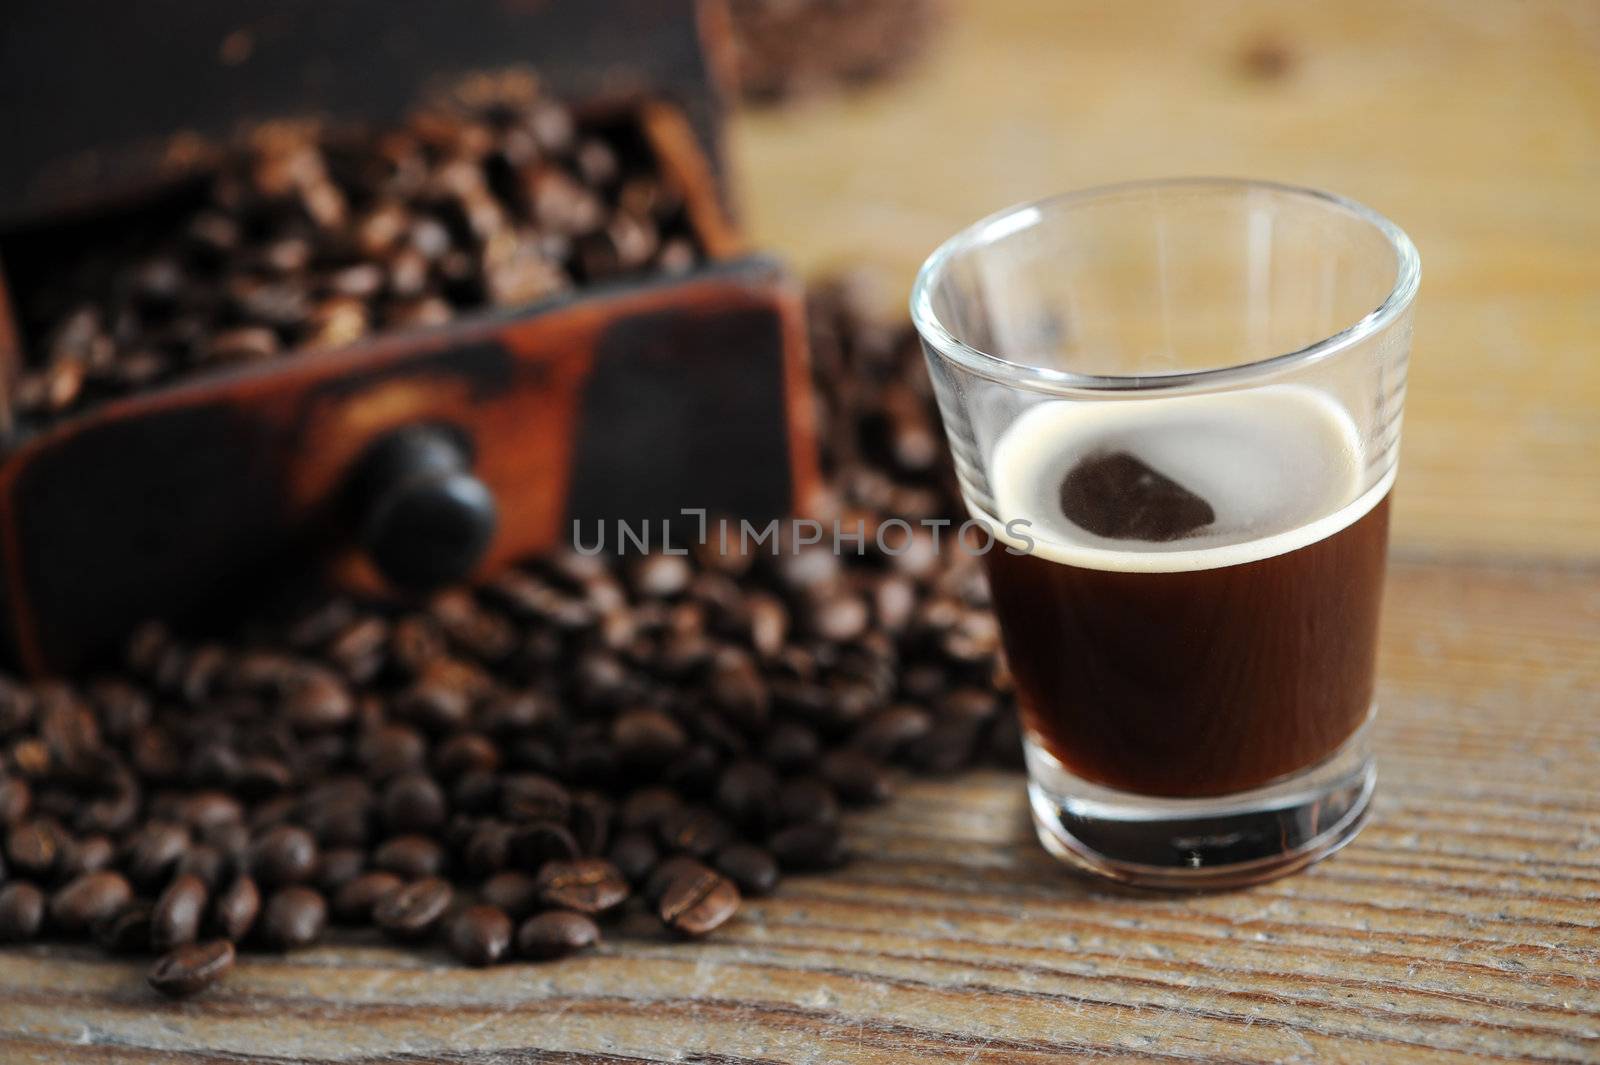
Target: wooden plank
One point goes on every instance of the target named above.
(1473, 123)
(1462, 925)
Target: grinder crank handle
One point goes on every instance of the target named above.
(422, 517)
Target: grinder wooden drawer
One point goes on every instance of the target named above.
(627, 404)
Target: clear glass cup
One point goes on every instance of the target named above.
(1177, 404)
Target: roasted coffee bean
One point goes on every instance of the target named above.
(587, 885)
(476, 792)
(214, 764)
(236, 907)
(88, 898)
(32, 848)
(645, 808)
(972, 705)
(354, 902)
(946, 747)
(590, 821)
(894, 602)
(176, 917)
(116, 806)
(434, 705)
(769, 623)
(519, 714)
(807, 847)
(664, 874)
(647, 737)
(203, 861)
(413, 910)
(597, 162)
(748, 794)
(587, 763)
(22, 908)
(391, 749)
(850, 699)
(85, 854)
(680, 655)
(286, 854)
(660, 575)
(531, 846)
(807, 800)
(806, 700)
(339, 821)
(514, 892)
(272, 813)
(414, 643)
(693, 830)
(295, 916)
(738, 688)
(754, 870)
(262, 776)
(15, 800)
(339, 866)
(533, 797)
(697, 902)
(634, 854)
(204, 810)
(856, 778)
(791, 746)
(488, 847)
(602, 680)
(466, 752)
(411, 857)
(232, 841)
(890, 730)
(556, 934)
(191, 968)
(837, 616)
(480, 935)
(30, 758)
(126, 930)
(254, 343)
(320, 623)
(69, 729)
(531, 753)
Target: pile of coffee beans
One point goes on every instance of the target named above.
(315, 238)
(789, 49)
(501, 770)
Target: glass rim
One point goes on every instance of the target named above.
(1408, 272)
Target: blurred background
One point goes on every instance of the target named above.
(1474, 125)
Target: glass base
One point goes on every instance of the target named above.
(1220, 841)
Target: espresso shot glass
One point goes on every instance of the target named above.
(1177, 405)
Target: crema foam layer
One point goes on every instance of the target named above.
(1281, 467)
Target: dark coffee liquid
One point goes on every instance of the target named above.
(1199, 683)
(1175, 650)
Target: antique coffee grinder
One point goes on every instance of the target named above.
(415, 456)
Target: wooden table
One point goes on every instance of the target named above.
(1464, 923)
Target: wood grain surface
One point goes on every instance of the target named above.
(1462, 925)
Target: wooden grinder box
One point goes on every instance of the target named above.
(412, 456)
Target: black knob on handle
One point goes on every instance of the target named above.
(425, 520)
